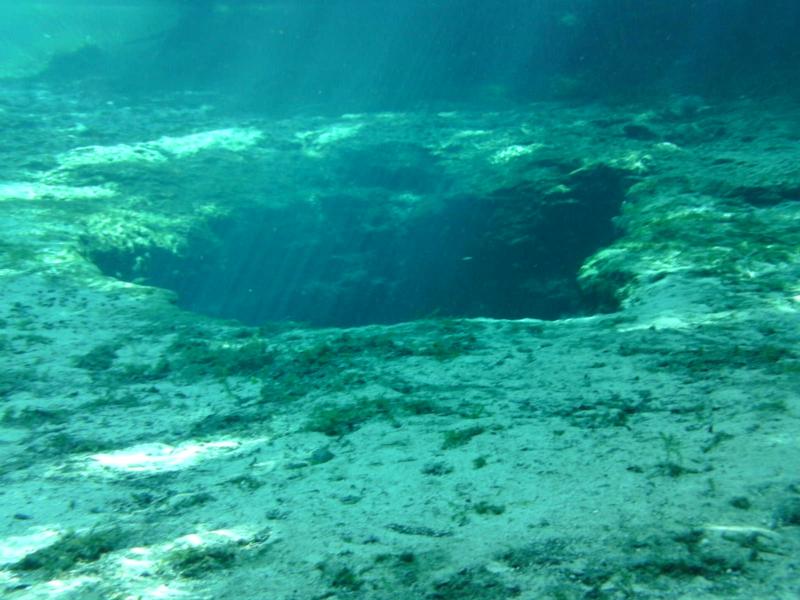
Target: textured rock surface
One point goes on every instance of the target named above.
(646, 453)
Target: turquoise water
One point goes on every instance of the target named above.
(351, 55)
(423, 299)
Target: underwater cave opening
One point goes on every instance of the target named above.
(512, 254)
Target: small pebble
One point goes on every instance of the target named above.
(321, 455)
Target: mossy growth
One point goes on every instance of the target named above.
(448, 343)
(139, 372)
(671, 444)
(686, 556)
(343, 348)
(673, 464)
(705, 358)
(400, 569)
(33, 417)
(545, 552)
(437, 469)
(422, 406)
(488, 508)
(198, 561)
(63, 444)
(114, 398)
(341, 419)
(448, 347)
(479, 462)
(610, 411)
(197, 357)
(99, 358)
(213, 424)
(71, 550)
(247, 483)
(15, 380)
(340, 576)
(346, 579)
(285, 386)
(778, 405)
(455, 438)
(289, 372)
(477, 583)
(787, 513)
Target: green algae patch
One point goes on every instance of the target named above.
(196, 357)
(30, 417)
(455, 438)
(99, 358)
(341, 419)
(200, 561)
(71, 550)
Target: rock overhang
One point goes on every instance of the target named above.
(364, 225)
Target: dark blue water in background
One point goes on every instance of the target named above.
(338, 55)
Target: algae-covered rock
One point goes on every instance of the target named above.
(70, 550)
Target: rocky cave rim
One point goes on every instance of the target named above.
(598, 301)
(267, 265)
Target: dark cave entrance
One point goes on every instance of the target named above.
(343, 262)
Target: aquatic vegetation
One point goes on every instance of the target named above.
(139, 372)
(422, 406)
(700, 359)
(199, 561)
(741, 502)
(437, 469)
(63, 444)
(718, 438)
(99, 358)
(448, 347)
(124, 216)
(672, 464)
(340, 419)
(284, 387)
(72, 549)
(245, 482)
(14, 380)
(733, 347)
(289, 373)
(644, 559)
(485, 507)
(778, 405)
(346, 578)
(193, 357)
(542, 552)
(346, 418)
(33, 417)
(479, 462)
(336, 364)
(217, 423)
(474, 583)
(455, 438)
(610, 411)
(450, 344)
(685, 555)
(787, 513)
(110, 399)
